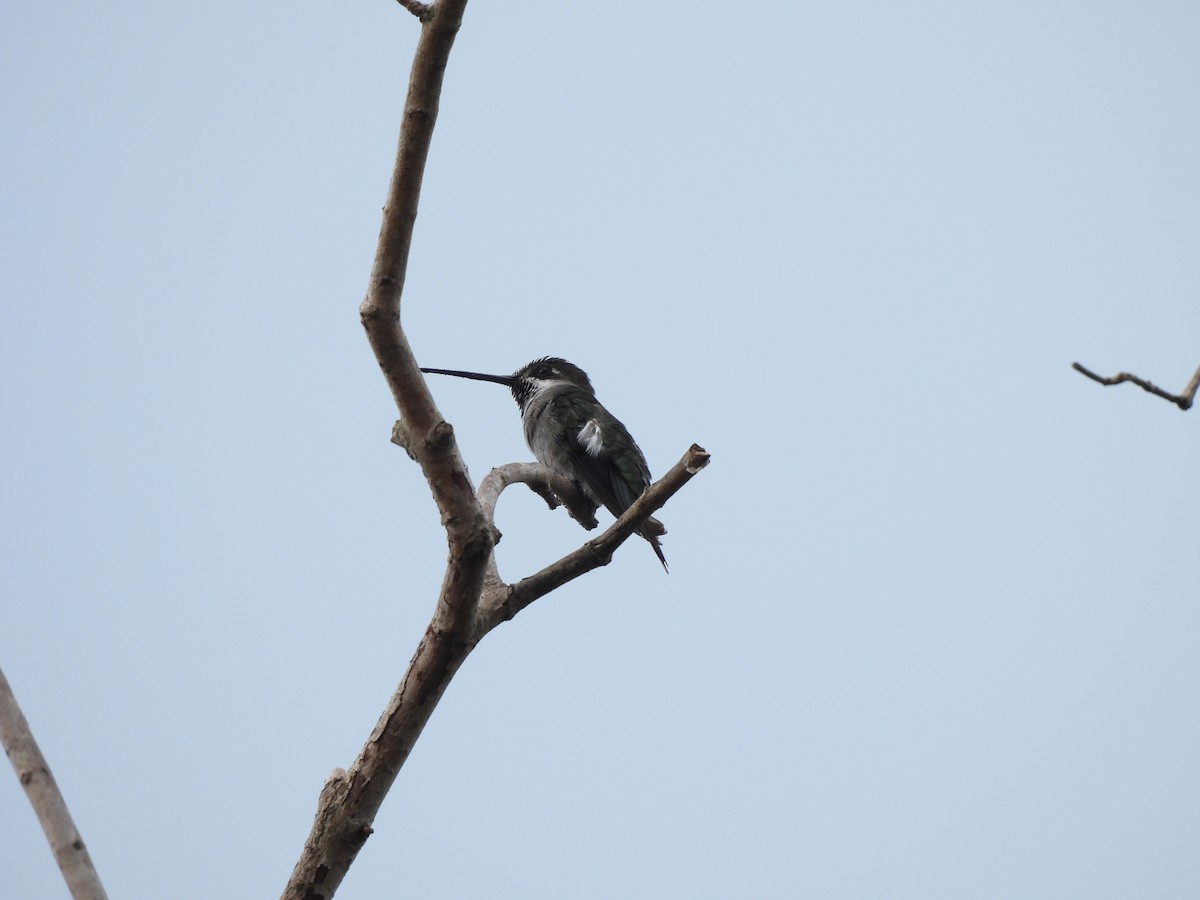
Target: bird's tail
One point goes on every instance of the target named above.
(652, 530)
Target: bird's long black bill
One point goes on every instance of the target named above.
(507, 380)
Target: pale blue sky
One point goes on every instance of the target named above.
(931, 620)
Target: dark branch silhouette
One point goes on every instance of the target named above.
(1183, 400)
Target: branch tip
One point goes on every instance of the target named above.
(696, 459)
(423, 11)
(1183, 400)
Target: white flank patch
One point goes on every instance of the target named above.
(590, 437)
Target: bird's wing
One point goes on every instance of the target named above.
(600, 448)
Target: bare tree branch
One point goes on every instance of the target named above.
(46, 799)
(428, 439)
(1183, 400)
(506, 601)
(552, 488)
(350, 799)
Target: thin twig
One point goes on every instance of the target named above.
(34, 774)
(1183, 400)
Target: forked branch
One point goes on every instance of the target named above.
(350, 799)
(505, 602)
(472, 599)
(1183, 400)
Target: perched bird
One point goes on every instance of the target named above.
(571, 434)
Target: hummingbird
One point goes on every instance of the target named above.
(572, 435)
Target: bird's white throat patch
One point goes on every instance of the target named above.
(591, 438)
(541, 384)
